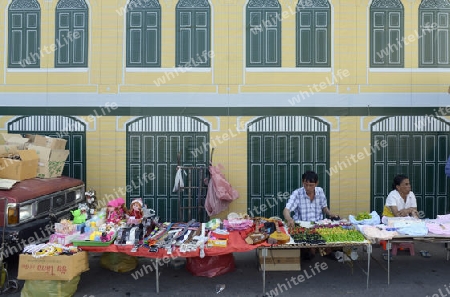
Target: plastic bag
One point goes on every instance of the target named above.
(50, 288)
(211, 266)
(118, 262)
(411, 228)
(375, 220)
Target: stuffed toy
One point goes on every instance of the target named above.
(78, 217)
(91, 201)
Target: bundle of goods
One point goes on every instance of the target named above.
(186, 236)
(49, 249)
(381, 232)
(65, 233)
(338, 234)
(365, 218)
(302, 235)
(237, 222)
(407, 225)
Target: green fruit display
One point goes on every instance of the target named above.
(363, 216)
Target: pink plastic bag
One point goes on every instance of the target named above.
(211, 266)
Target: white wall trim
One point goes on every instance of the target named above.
(409, 70)
(166, 70)
(286, 69)
(45, 70)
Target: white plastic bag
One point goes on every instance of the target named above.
(375, 220)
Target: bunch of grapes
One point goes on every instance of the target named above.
(363, 216)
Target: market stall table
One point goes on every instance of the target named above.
(291, 245)
(235, 244)
(429, 238)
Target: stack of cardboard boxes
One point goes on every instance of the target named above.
(32, 156)
(52, 155)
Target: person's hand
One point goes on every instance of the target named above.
(291, 223)
(334, 217)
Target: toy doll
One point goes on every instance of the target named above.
(112, 215)
(121, 208)
(136, 209)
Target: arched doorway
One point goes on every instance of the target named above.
(418, 147)
(153, 146)
(67, 127)
(280, 149)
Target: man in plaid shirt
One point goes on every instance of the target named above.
(308, 203)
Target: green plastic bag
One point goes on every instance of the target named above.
(50, 288)
(118, 262)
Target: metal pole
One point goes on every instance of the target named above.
(189, 194)
(157, 276)
(369, 254)
(388, 247)
(264, 254)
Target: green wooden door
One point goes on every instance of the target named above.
(69, 128)
(153, 147)
(417, 147)
(280, 150)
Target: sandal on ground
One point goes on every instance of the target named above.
(425, 254)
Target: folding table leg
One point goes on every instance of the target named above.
(264, 254)
(369, 255)
(157, 277)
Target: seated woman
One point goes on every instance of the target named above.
(401, 201)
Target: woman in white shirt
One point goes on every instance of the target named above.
(401, 202)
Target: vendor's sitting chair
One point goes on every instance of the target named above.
(402, 245)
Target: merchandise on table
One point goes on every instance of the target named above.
(374, 233)
(364, 218)
(339, 234)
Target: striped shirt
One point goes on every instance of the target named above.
(304, 209)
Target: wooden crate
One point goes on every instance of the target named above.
(280, 260)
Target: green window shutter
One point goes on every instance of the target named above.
(143, 34)
(254, 39)
(79, 27)
(322, 33)
(185, 38)
(426, 42)
(386, 34)
(201, 38)
(305, 38)
(442, 39)
(272, 46)
(71, 33)
(394, 35)
(193, 33)
(62, 53)
(313, 34)
(379, 52)
(434, 27)
(152, 39)
(24, 34)
(134, 39)
(263, 36)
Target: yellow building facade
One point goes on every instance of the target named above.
(355, 90)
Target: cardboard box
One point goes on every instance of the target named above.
(280, 260)
(51, 161)
(13, 139)
(52, 267)
(45, 141)
(24, 168)
(217, 243)
(7, 150)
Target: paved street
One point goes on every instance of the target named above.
(410, 276)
